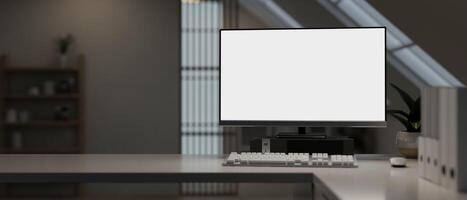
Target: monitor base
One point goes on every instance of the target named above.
(301, 136)
(330, 145)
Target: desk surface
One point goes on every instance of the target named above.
(373, 179)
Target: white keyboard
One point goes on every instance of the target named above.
(290, 160)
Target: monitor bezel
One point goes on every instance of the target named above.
(245, 123)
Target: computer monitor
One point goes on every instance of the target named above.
(303, 77)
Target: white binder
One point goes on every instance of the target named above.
(429, 159)
(456, 169)
(421, 156)
(425, 109)
(461, 140)
(428, 140)
(435, 144)
(434, 164)
(444, 137)
(444, 133)
(431, 141)
(451, 168)
(458, 158)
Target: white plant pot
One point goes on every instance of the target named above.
(63, 60)
(407, 143)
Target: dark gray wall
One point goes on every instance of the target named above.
(247, 19)
(439, 27)
(309, 13)
(132, 79)
(132, 51)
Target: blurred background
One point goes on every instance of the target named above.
(140, 77)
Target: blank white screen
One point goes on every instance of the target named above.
(303, 75)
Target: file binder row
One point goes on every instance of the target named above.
(443, 142)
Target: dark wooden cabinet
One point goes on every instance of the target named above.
(42, 112)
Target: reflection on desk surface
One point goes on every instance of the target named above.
(374, 179)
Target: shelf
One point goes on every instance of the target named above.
(51, 123)
(48, 150)
(40, 69)
(16, 79)
(43, 97)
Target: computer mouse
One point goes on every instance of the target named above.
(398, 162)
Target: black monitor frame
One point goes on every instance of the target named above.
(245, 123)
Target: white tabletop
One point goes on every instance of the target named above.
(373, 179)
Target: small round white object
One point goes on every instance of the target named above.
(398, 161)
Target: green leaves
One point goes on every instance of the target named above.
(403, 120)
(398, 112)
(406, 97)
(415, 114)
(410, 120)
(63, 43)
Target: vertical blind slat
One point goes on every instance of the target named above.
(200, 23)
(201, 133)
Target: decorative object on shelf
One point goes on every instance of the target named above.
(407, 141)
(34, 91)
(49, 88)
(16, 140)
(24, 116)
(62, 112)
(11, 116)
(64, 44)
(66, 85)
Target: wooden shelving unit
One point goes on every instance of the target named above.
(39, 69)
(38, 126)
(42, 97)
(44, 123)
(64, 150)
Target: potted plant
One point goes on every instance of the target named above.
(407, 140)
(63, 45)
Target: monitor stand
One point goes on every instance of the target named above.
(301, 142)
(301, 134)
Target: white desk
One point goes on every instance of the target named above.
(374, 179)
